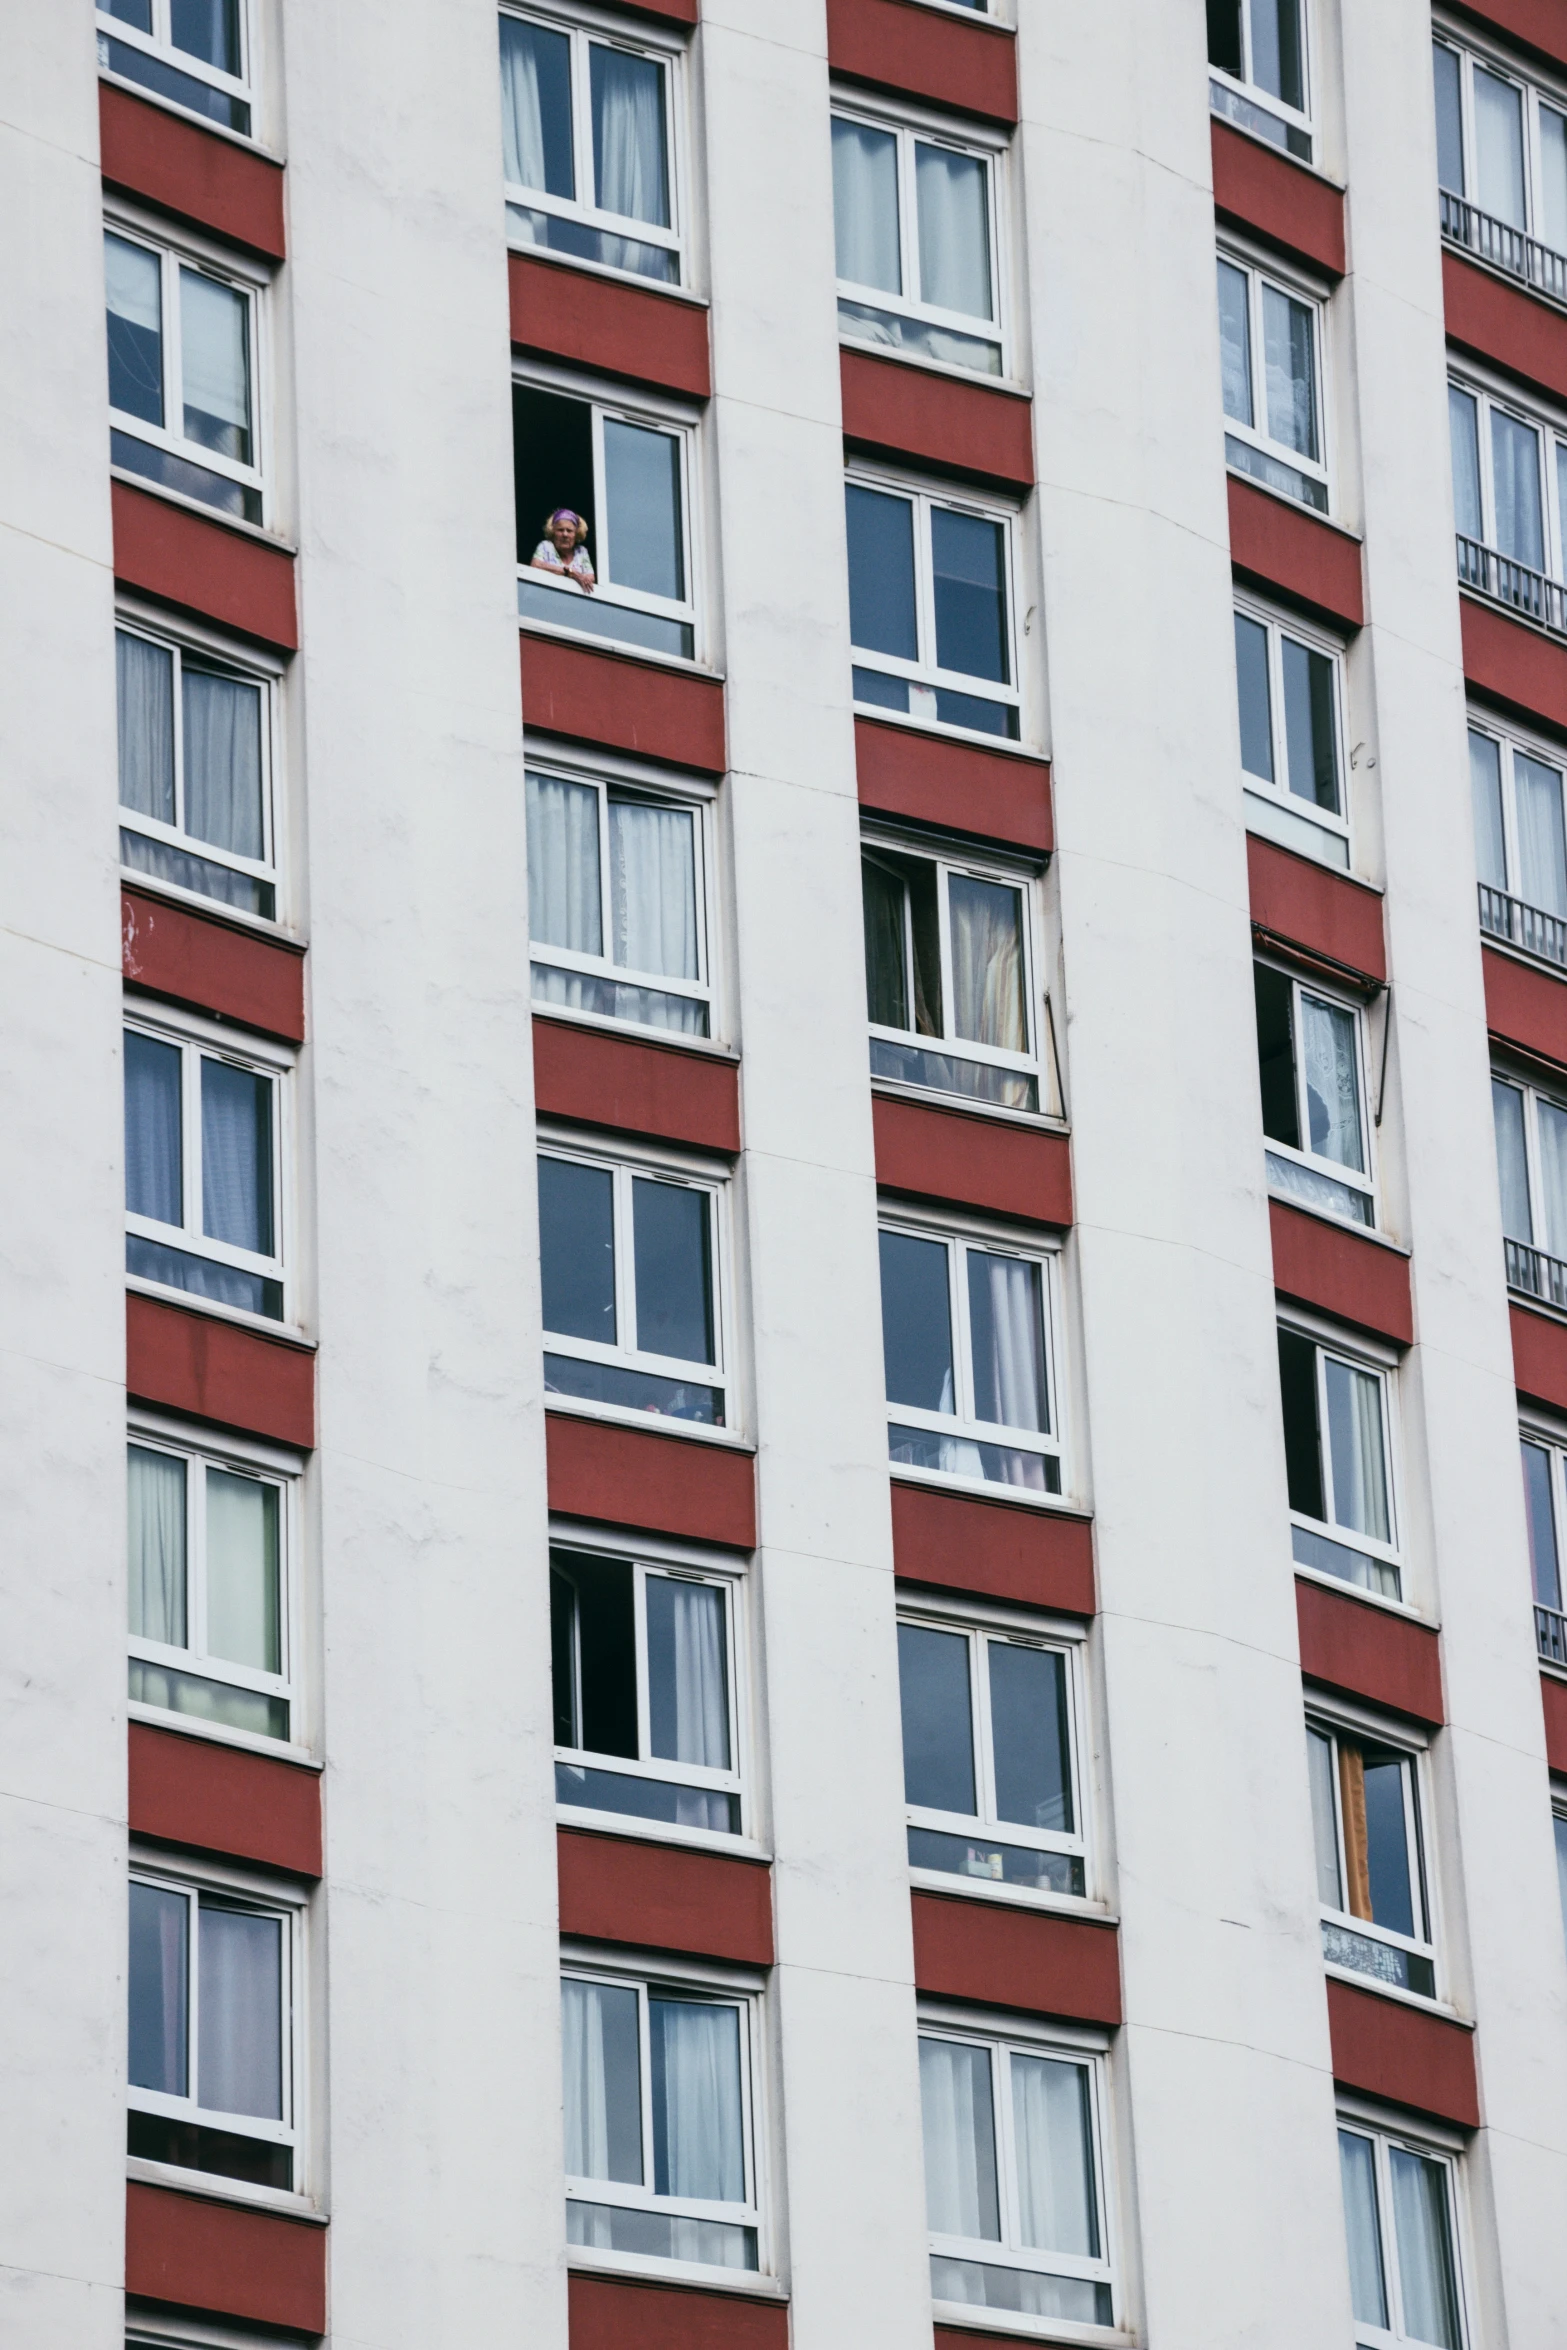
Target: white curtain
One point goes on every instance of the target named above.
(156, 1492)
(1515, 473)
(239, 2059)
(689, 1703)
(1355, 1446)
(1005, 1320)
(603, 2082)
(1542, 844)
(1551, 1128)
(223, 761)
(1425, 2265)
(159, 1989)
(954, 230)
(564, 903)
(1332, 1082)
(1463, 433)
(987, 963)
(1498, 148)
(865, 205)
(144, 679)
(236, 1156)
(1289, 362)
(628, 139)
(522, 116)
(697, 2131)
(1324, 1817)
(960, 2140)
(1512, 1165)
(1235, 342)
(242, 1571)
(1056, 2204)
(652, 886)
(153, 1185)
(1485, 786)
(1553, 179)
(216, 364)
(1357, 2165)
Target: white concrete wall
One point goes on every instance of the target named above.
(62, 1314)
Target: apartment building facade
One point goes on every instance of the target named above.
(784, 906)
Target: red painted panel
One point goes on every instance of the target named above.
(1319, 1263)
(191, 1362)
(222, 1799)
(615, 329)
(1539, 1356)
(634, 1086)
(630, 705)
(1282, 546)
(607, 2313)
(663, 1484)
(977, 1161)
(961, 2338)
(1307, 905)
(1279, 200)
(1032, 1959)
(956, 1542)
(1525, 1007)
(1514, 664)
(1344, 1644)
(898, 46)
(1539, 24)
(201, 960)
(1553, 1698)
(202, 566)
(997, 795)
(664, 1897)
(1502, 323)
(1385, 2049)
(182, 168)
(224, 2258)
(897, 409)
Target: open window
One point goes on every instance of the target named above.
(1501, 152)
(195, 740)
(1310, 1057)
(1259, 73)
(948, 975)
(1520, 842)
(1531, 1162)
(1371, 1877)
(203, 1170)
(587, 128)
(1270, 348)
(182, 374)
(1289, 686)
(1338, 1454)
(617, 901)
(930, 609)
(917, 255)
(966, 1336)
(603, 522)
(1545, 1494)
(1401, 2219)
(194, 54)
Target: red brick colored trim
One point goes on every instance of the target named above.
(202, 566)
(225, 2259)
(956, 1542)
(215, 1798)
(1534, 24)
(191, 1362)
(1539, 1355)
(616, 329)
(1553, 1700)
(1514, 665)
(664, 1897)
(1279, 200)
(1278, 545)
(977, 1162)
(201, 960)
(609, 2314)
(1368, 1652)
(1385, 2049)
(993, 795)
(962, 2338)
(629, 705)
(1031, 1959)
(1501, 323)
(636, 1087)
(1337, 1269)
(895, 409)
(1301, 903)
(662, 1484)
(896, 46)
(150, 152)
(1525, 1007)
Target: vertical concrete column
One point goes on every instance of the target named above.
(1494, 1872)
(62, 1220)
(844, 1998)
(441, 2069)
(1225, 2048)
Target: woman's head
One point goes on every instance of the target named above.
(565, 530)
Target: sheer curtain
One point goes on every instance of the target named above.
(629, 167)
(1512, 1165)
(1553, 178)
(1056, 2204)
(698, 2140)
(865, 206)
(1355, 1445)
(159, 1989)
(1425, 2264)
(144, 680)
(687, 1672)
(239, 2057)
(564, 902)
(960, 2141)
(236, 1156)
(1357, 2164)
(986, 922)
(242, 1571)
(1498, 109)
(1332, 1082)
(1515, 472)
(1551, 1129)
(1485, 786)
(522, 110)
(652, 888)
(603, 2082)
(156, 1493)
(1008, 1339)
(954, 229)
(1235, 342)
(153, 1185)
(1463, 433)
(1289, 362)
(215, 358)
(1542, 844)
(223, 761)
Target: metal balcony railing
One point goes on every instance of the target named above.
(1535, 1274)
(1550, 1635)
(1511, 584)
(1504, 247)
(1529, 927)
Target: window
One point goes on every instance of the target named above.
(585, 125)
(918, 266)
(195, 742)
(203, 1169)
(1365, 1818)
(617, 902)
(1401, 2220)
(988, 1756)
(1337, 1448)
(182, 358)
(192, 53)
(631, 1291)
(1288, 688)
(620, 482)
(1559, 1830)
(1520, 844)
(1531, 1161)
(1544, 1492)
(660, 2158)
(1268, 348)
(1509, 475)
(1013, 2185)
(1258, 81)
(947, 955)
(930, 609)
(644, 1669)
(209, 1588)
(966, 1338)
(1501, 156)
(211, 2031)
(1309, 1055)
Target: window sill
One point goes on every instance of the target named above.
(964, 1105)
(615, 1823)
(1012, 2323)
(652, 1423)
(1378, 1238)
(643, 656)
(1010, 386)
(191, 901)
(981, 1489)
(290, 1333)
(667, 1040)
(614, 277)
(1062, 1905)
(1355, 1591)
(1329, 520)
(236, 523)
(212, 2187)
(746, 2284)
(933, 731)
(1416, 1999)
(247, 144)
(299, 1758)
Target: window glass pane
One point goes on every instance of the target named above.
(1449, 120)
(577, 1249)
(1332, 1074)
(1276, 62)
(1551, 1205)
(698, 2139)
(916, 1322)
(1357, 2166)
(881, 573)
(1515, 481)
(552, 449)
(223, 760)
(1053, 2130)
(136, 12)
(159, 1990)
(236, 1156)
(1499, 148)
(1275, 996)
(208, 29)
(1388, 1858)
(1542, 843)
(1224, 37)
(156, 1489)
(886, 944)
(1310, 740)
(243, 1612)
(865, 206)
(536, 107)
(1006, 1323)
(1485, 786)
(215, 354)
(1551, 227)
(1355, 1448)
(986, 924)
(1425, 2255)
(1235, 343)
(968, 560)
(135, 300)
(1302, 1445)
(144, 682)
(642, 492)
(630, 164)
(1463, 432)
(954, 223)
(1324, 1818)
(674, 1272)
(239, 2062)
(652, 887)
(1539, 1503)
(960, 2140)
(1251, 679)
(565, 906)
(603, 2082)
(938, 1719)
(687, 1673)
(1028, 1723)
(153, 1180)
(1289, 363)
(594, 1631)
(1512, 1164)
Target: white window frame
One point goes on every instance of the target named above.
(909, 128)
(1303, 1156)
(722, 1987)
(277, 1899)
(159, 46)
(1511, 743)
(1550, 434)
(923, 675)
(1533, 1095)
(200, 1040)
(227, 271)
(1277, 795)
(979, 1628)
(1534, 94)
(1242, 97)
(1363, 2119)
(1384, 1369)
(1552, 1442)
(1340, 1719)
(1298, 289)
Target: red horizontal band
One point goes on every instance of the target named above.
(973, 1161)
(212, 965)
(1389, 2050)
(215, 1798)
(895, 46)
(628, 705)
(962, 787)
(635, 1086)
(616, 329)
(896, 409)
(662, 1484)
(1279, 200)
(187, 1361)
(225, 2259)
(1282, 546)
(995, 1549)
(1369, 1652)
(171, 162)
(202, 566)
(607, 2314)
(1341, 1272)
(1034, 1960)
(654, 1896)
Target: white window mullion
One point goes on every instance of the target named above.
(978, 1644)
(640, 1664)
(962, 1335)
(192, 1998)
(623, 1201)
(645, 2089)
(601, 501)
(1324, 1448)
